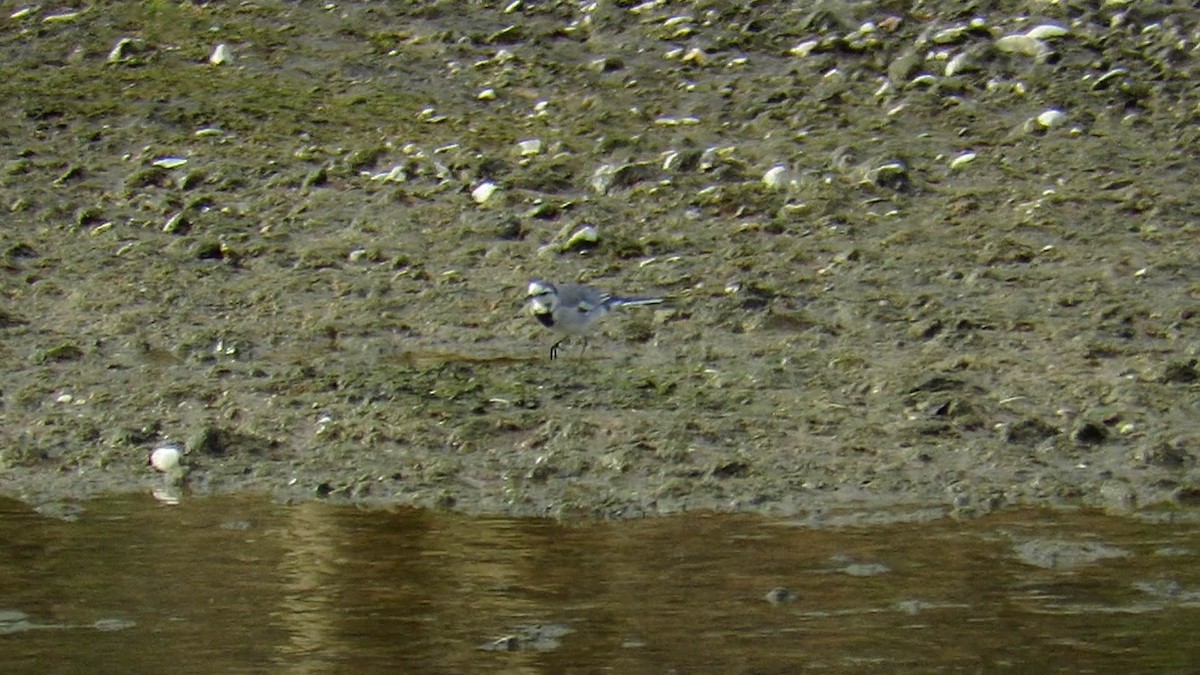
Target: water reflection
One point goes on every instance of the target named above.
(240, 584)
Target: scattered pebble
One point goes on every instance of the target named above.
(951, 35)
(1023, 44)
(695, 56)
(530, 146)
(804, 48)
(602, 178)
(119, 50)
(961, 63)
(892, 174)
(61, 18)
(169, 162)
(962, 160)
(585, 237)
(176, 224)
(484, 192)
(774, 176)
(166, 458)
(1051, 118)
(430, 116)
(221, 54)
(1046, 31)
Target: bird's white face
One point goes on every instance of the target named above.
(543, 299)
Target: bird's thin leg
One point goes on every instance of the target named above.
(554, 349)
(583, 348)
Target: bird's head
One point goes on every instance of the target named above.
(542, 297)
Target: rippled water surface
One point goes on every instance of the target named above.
(224, 584)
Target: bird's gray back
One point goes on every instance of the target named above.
(578, 294)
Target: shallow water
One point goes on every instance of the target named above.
(236, 584)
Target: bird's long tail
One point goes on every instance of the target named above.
(634, 302)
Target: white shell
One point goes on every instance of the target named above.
(804, 48)
(588, 234)
(169, 162)
(774, 176)
(483, 192)
(958, 64)
(65, 16)
(1051, 118)
(1046, 31)
(530, 146)
(1023, 44)
(166, 458)
(695, 55)
(221, 54)
(962, 160)
(118, 51)
(948, 35)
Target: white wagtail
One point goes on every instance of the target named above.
(574, 309)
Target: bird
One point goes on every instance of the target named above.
(574, 309)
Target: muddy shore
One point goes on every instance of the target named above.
(917, 263)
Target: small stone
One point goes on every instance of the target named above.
(892, 174)
(530, 146)
(1051, 118)
(221, 54)
(483, 192)
(804, 48)
(63, 17)
(962, 160)
(602, 178)
(1023, 44)
(774, 177)
(1046, 31)
(961, 63)
(176, 224)
(169, 162)
(585, 237)
(119, 50)
(695, 56)
(166, 458)
(949, 35)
